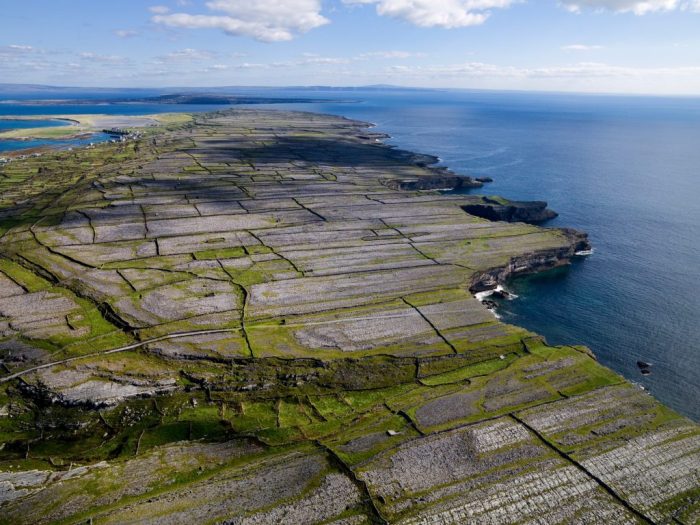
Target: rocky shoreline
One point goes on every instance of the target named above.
(499, 209)
(539, 261)
(265, 316)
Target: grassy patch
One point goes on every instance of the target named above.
(462, 374)
(224, 253)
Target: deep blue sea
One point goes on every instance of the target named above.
(624, 169)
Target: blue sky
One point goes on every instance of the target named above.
(625, 46)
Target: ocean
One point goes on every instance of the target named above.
(9, 124)
(623, 169)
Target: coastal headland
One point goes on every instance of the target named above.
(83, 125)
(263, 316)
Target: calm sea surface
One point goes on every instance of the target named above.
(8, 124)
(9, 108)
(624, 169)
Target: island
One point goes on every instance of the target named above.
(256, 316)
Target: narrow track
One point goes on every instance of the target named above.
(180, 335)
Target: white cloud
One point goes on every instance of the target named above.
(187, 55)
(159, 9)
(581, 47)
(12, 52)
(307, 59)
(15, 51)
(247, 65)
(582, 70)
(125, 33)
(20, 48)
(437, 13)
(264, 20)
(17, 54)
(638, 7)
(103, 59)
(216, 68)
(323, 60)
(391, 54)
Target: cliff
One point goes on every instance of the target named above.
(499, 209)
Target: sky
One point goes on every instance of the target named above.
(614, 46)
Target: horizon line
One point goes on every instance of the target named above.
(377, 87)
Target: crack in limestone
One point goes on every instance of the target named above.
(199, 212)
(17, 283)
(272, 250)
(314, 408)
(401, 234)
(435, 328)
(389, 302)
(196, 161)
(53, 251)
(374, 199)
(337, 461)
(244, 306)
(145, 222)
(422, 254)
(607, 488)
(413, 245)
(104, 308)
(408, 419)
(92, 227)
(244, 332)
(309, 209)
(133, 288)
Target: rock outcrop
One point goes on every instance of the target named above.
(434, 182)
(499, 209)
(537, 261)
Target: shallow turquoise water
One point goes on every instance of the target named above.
(13, 145)
(8, 124)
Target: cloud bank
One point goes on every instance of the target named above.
(631, 6)
(447, 14)
(263, 20)
(282, 20)
(581, 47)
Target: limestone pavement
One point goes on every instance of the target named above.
(269, 317)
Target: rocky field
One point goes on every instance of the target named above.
(269, 317)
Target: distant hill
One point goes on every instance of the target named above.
(170, 90)
(37, 93)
